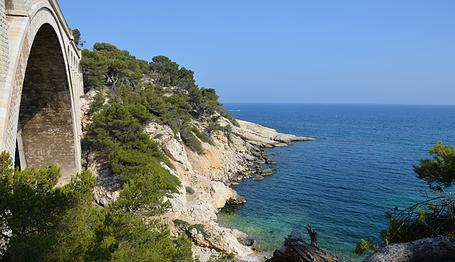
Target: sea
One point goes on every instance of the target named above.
(360, 167)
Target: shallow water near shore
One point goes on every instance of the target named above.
(343, 183)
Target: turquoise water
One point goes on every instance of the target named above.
(343, 183)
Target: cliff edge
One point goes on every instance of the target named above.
(231, 153)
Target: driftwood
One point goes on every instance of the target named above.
(440, 249)
(295, 249)
(313, 236)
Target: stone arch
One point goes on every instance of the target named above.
(45, 130)
(41, 121)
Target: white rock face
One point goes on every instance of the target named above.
(264, 136)
(173, 148)
(87, 99)
(220, 194)
(108, 185)
(205, 179)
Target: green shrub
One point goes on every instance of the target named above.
(215, 126)
(97, 103)
(114, 124)
(47, 223)
(181, 223)
(362, 247)
(127, 238)
(107, 65)
(202, 135)
(439, 170)
(435, 216)
(191, 140)
(199, 227)
(133, 157)
(223, 112)
(223, 257)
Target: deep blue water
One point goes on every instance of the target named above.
(343, 183)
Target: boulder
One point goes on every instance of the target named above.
(267, 172)
(258, 178)
(422, 250)
(236, 199)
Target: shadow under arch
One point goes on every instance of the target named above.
(45, 127)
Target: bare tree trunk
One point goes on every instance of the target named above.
(313, 236)
(295, 249)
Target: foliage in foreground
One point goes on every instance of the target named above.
(42, 222)
(434, 216)
(439, 171)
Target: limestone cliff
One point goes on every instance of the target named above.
(227, 158)
(206, 178)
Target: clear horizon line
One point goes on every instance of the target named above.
(342, 103)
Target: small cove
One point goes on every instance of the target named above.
(343, 183)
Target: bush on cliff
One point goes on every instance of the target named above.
(190, 139)
(42, 222)
(138, 93)
(106, 64)
(167, 90)
(133, 156)
(202, 135)
(120, 123)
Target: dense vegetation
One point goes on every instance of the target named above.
(161, 91)
(433, 217)
(42, 222)
(130, 94)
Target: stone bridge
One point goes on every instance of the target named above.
(40, 86)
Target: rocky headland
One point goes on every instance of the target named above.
(205, 180)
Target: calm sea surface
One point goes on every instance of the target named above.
(343, 183)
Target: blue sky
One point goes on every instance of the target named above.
(328, 51)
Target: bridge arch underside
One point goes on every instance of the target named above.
(45, 127)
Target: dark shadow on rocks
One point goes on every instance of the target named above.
(295, 249)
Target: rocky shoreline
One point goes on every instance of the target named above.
(234, 153)
(206, 180)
